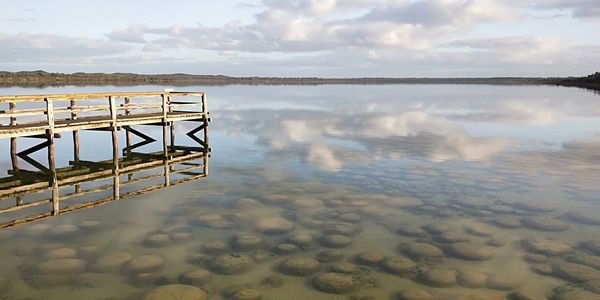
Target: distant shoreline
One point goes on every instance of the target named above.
(42, 79)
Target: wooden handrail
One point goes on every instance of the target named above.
(91, 96)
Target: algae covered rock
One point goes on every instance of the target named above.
(274, 225)
(422, 251)
(336, 241)
(63, 266)
(334, 283)
(145, 263)
(399, 265)
(469, 251)
(546, 246)
(439, 277)
(232, 264)
(176, 292)
(299, 266)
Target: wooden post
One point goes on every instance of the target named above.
(204, 110)
(115, 147)
(75, 133)
(172, 127)
(13, 142)
(128, 134)
(164, 136)
(51, 162)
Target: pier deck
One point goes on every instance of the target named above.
(47, 117)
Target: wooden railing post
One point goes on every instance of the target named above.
(51, 162)
(115, 146)
(13, 142)
(73, 104)
(165, 148)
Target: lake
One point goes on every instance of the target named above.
(341, 192)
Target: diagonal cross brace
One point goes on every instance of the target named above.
(192, 135)
(146, 140)
(24, 155)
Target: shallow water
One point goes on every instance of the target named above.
(487, 174)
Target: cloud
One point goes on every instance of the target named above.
(586, 9)
(54, 48)
(317, 25)
(320, 138)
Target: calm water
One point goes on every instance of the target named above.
(416, 191)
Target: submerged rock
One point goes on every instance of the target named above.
(503, 282)
(216, 247)
(439, 277)
(469, 251)
(176, 292)
(588, 218)
(416, 294)
(145, 263)
(370, 258)
(422, 251)
(575, 272)
(301, 239)
(89, 251)
(64, 231)
(546, 246)
(399, 266)
(592, 246)
(63, 252)
(545, 224)
(285, 248)
(342, 229)
(507, 223)
(274, 281)
(436, 228)
(450, 237)
(62, 266)
(246, 293)
(157, 240)
(232, 264)
(112, 261)
(196, 277)
(334, 283)
(471, 278)
(247, 242)
(299, 266)
(410, 230)
(584, 259)
(571, 293)
(274, 225)
(345, 268)
(592, 286)
(336, 241)
(479, 229)
(329, 256)
(532, 207)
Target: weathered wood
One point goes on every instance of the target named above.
(40, 98)
(75, 132)
(24, 182)
(13, 142)
(51, 162)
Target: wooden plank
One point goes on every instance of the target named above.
(85, 96)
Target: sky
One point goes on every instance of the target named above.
(324, 38)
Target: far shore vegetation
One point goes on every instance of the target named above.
(47, 79)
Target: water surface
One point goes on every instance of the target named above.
(481, 192)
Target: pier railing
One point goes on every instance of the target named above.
(46, 117)
(29, 197)
(30, 115)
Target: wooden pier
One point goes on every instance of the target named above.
(47, 117)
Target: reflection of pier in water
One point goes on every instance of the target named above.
(29, 189)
